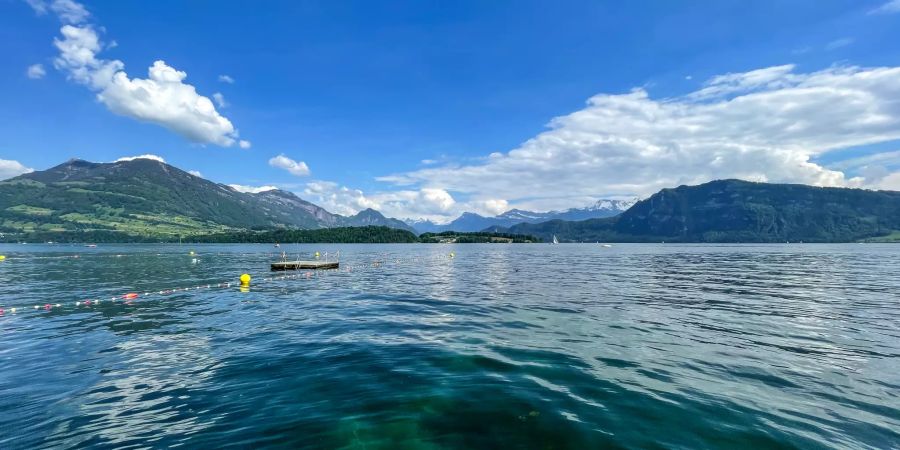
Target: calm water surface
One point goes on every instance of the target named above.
(503, 346)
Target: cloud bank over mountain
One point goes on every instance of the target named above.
(764, 125)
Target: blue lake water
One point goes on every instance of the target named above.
(502, 346)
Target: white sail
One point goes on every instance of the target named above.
(555, 241)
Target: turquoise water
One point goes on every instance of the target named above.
(503, 346)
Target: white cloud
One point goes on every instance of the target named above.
(36, 71)
(162, 99)
(890, 182)
(891, 7)
(68, 11)
(10, 168)
(298, 168)
(145, 156)
(492, 207)
(876, 169)
(885, 158)
(195, 173)
(762, 125)
(220, 100)
(251, 189)
(226, 79)
(731, 83)
(338, 199)
(437, 199)
(244, 144)
(838, 43)
(433, 204)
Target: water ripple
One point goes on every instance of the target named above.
(503, 346)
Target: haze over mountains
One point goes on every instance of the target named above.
(475, 222)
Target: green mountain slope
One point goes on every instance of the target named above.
(371, 218)
(740, 211)
(347, 235)
(145, 197)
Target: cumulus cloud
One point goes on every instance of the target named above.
(10, 168)
(437, 199)
(220, 100)
(36, 71)
(244, 144)
(492, 207)
(145, 156)
(891, 7)
(163, 98)
(195, 173)
(298, 168)
(251, 189)
(890, 182)
(433, 204)
(764, 125)
(404, 203)
(226, 79)
(338, 199)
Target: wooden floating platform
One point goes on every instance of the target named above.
(297, 265)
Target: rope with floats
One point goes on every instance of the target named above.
(243, 283)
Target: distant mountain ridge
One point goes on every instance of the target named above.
(739, 211)
(468, 221)
(149, 197)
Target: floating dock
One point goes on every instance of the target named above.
(297, 265)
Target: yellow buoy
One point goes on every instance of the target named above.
(191, 253)
(2, 257)
(245, 280)
(317, 255)
(452, 254)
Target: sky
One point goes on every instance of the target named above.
(426, 109)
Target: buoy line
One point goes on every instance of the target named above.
(130, 297)
(244, 282)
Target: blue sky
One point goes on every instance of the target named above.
(427, 108)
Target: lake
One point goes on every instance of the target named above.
(500, 346)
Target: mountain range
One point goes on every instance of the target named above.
(740, 211)
(144, 197)
(469, 221)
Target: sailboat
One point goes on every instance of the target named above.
(555, 241)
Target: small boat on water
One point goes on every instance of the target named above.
(555, 240)
(277, 245)
(90, 245)
(605, 245)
